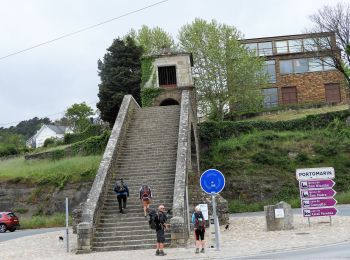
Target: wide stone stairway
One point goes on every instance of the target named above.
(148, 156)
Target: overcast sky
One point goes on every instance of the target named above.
(46, 80)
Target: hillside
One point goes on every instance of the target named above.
(259, 158)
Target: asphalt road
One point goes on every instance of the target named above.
(28, 232)
(336, 251)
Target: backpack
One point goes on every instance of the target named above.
(199, 221)
(153, 219)
(119, 187)
(145, 192)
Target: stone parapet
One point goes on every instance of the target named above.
(91, 208)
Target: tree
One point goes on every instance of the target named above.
(152, 40)
(333, 19)
(28, 128)
(78, 116)
(226, 74)
(120, 73)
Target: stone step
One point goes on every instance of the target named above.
(103, 234)
(114, 209)
(130, 237)
(125, 243)
(132, 205)
(127, 248)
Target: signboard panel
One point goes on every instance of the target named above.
(204, 209)
(315, 173)
(318, 203)
(322, 212)
(321, 184)
(317, 193)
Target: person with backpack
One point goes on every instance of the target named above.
(122, 191)
(199, 228)
(145, 197)
(158, 222)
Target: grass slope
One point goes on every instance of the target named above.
(57, 173)
(260, 167)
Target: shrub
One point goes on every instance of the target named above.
(92, 130)
(210, 132)
(49, 142)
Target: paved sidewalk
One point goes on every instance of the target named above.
(246, 236)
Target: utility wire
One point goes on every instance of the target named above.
(82, 30)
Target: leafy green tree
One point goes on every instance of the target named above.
(227, 76)
(120, 73)
(28, 128)
(333, 19)
(78, 116)
(152, 40)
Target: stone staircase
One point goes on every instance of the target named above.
(148, 156)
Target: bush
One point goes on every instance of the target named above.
(92, 145)
(8, 150)
(92, 130)
(210, 132)
(49, 142)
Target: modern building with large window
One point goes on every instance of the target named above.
(299, 69)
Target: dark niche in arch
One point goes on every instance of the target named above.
(168, 102)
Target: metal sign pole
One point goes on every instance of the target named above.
(67, 237)
(308, 218)
(216, 223)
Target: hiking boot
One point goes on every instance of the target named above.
(161, 253)
(202, 250)
(197, 250)
(157, 252)
(123, 212)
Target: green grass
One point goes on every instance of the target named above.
(57, 173)
(295, 114)
(56, 220)
(260, 167)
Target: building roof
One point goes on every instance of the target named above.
(58, 129)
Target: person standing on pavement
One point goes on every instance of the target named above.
(122, 191)
(199, 229)
(145, 197)
(161, 227)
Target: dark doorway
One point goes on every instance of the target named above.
(289, 95)
(169, 102)
(332, 93)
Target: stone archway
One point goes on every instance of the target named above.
(169, 102)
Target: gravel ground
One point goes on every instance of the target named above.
(245, 236)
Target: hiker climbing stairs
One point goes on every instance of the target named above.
(148, 156)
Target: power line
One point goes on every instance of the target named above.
(82, 30)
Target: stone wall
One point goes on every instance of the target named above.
(310, 86)
(91, 208)
(28, 199)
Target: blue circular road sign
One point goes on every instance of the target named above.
(212, 181)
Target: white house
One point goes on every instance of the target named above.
(45, 132)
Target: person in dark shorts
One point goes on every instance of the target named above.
(160, 229)
(199, 229)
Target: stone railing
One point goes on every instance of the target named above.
(91, 208)
(180, 220)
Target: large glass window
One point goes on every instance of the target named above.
(252, 47)
(295, 46)
(315, 64)
(281, 47)
(270, 97)
(286, 66)
(310, 45)
(265, 48)
(328, 63)
(300, 66)
(270, 69)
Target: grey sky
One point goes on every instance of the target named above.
(46, 80)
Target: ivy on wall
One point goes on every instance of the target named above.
(148, 94)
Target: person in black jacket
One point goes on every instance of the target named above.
(122, 191)
(160, 229)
